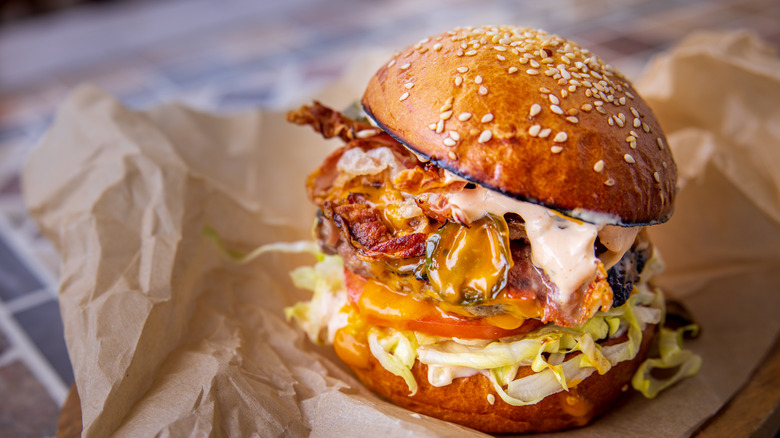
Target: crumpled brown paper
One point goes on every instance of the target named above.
(168, 338)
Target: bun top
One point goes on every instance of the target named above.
(530, 115)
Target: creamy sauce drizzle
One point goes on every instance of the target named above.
(562, 247)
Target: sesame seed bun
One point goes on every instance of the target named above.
(467, 400)
(530, 115)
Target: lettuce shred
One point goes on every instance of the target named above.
(677, 362)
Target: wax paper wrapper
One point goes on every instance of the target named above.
(169, 338)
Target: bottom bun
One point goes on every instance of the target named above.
(465, 400)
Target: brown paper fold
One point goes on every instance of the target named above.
(167, 337)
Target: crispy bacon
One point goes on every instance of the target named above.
(363, 226)
(328, 122)
(424, 179)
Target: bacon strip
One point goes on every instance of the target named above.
(363, 226)
(331, 123)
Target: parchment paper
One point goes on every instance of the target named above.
(168, 338)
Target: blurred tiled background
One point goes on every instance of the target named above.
(231, 55)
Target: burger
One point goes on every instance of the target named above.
(481, 232)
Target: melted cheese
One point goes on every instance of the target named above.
(562, 247)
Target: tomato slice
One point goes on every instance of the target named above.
(381, 306)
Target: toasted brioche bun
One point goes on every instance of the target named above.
(465, 400)
(530, 115)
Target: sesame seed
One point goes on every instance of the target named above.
(544, 133)
(609, 182)
(599, 166)
(622, 117)
(449, 142)
(629, 159)
(483, 90)
(487, 118)
(657, 176)
(471, 53)
(458, 80)
(523, 61)
(535, 109)
(532, 71)
(440, 126)
(534, 130)
(637, 123)
(437, 47)
(601, 110)
(500, 48)
(660, 143)
(533, 63)
(586, 107)
(512, 69)
(551, 71)
(619, 121)
(478, 79)
(432, 126)
(575, 82)
(545, 90)
(634, 112)
(634, 133)
(556, 109)
(459, 53)
(588, 93)
(547, 60)
(391, 63)
(501, 57)
(409, 85)
(447, 106)
(560, 137)
(464, 116)
(554, 99)
(453, 155)
(664, 164)
(463, 69)
(572, 112)
(454, 135)
(630, 138)
(645, 127)
(609, 120)
(572, 88)
(485, 136)
(365, 133)
(572, 119)
(404, 96)
(556, 149)
(631, 96)
(446, 115)
(405, 66)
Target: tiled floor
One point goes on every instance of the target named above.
(245, 55)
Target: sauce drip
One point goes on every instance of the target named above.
(469, 265)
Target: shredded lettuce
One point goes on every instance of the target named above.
(395, 352)
(323, 315)
(679, 362)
